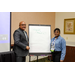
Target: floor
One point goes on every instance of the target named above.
(34, 58)
(43, 60)
(40, 59)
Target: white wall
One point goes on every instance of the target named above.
(59, 23)
(46, 18)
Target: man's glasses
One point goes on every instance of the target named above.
(23, 24)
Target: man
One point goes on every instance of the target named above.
(21, 42)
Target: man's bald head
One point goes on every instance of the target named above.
(22, 22)
(22, 25)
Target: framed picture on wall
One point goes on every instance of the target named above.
(69, 26)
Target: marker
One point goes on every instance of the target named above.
(42, 55)
(49, 55)
(31, 55)
(34, 55)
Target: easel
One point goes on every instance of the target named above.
(30, 58)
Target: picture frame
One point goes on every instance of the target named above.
(69, 26)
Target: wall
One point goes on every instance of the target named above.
(59, 23)
(47, 18)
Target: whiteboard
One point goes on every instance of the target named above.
(39, 38)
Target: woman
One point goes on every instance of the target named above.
(58, 47)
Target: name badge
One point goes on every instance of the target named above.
(52, 49)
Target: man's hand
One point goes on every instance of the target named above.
(61, 60)
(27, 47)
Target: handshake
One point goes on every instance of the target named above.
(27, 47)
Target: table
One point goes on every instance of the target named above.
(7, 56)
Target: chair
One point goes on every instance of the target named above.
(13, 57)
(7, 57)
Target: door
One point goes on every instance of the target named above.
(73, 54)
(70, 54)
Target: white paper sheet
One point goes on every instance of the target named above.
(39, 39)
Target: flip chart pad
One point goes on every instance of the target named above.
(39, 38)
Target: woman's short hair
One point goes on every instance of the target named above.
(56, 29)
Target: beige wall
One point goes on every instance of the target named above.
(59, 22)
(47, 18)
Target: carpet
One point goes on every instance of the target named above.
(42, 60)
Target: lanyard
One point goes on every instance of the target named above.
(53, 43)
(53, 46)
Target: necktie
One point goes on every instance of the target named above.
(26, 36)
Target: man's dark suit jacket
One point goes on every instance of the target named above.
(20, 43)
